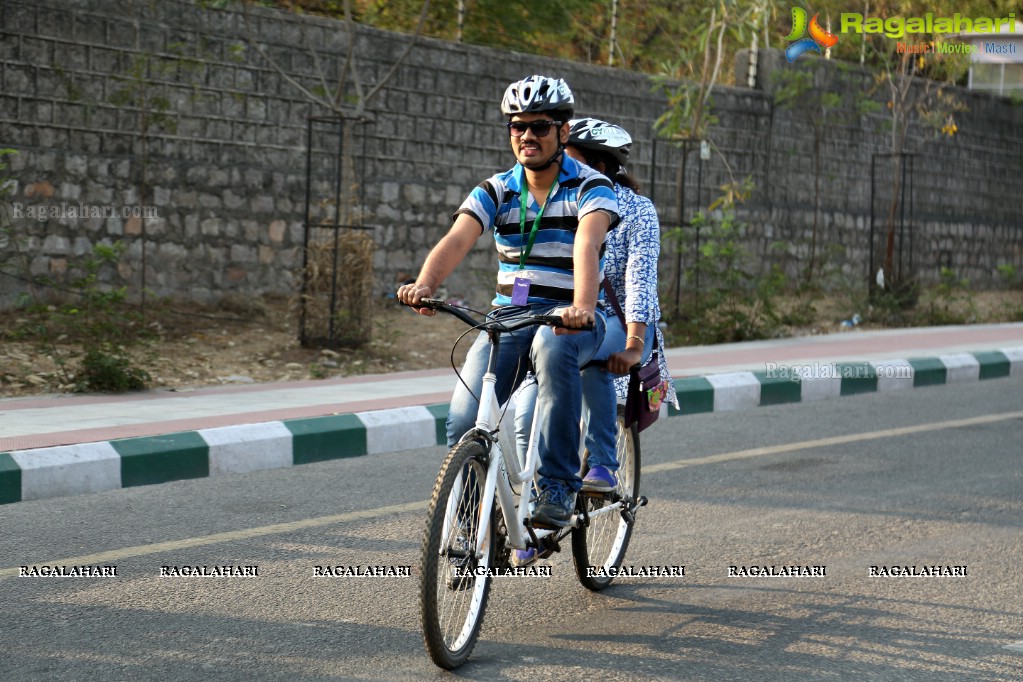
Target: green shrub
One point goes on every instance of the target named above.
(109, 371)
(729, 302)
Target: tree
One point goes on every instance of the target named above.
(914, 101)
(346, 97)
(795, 89)
(688, 83)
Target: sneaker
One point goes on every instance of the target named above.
(525, 557)
(554, 506)
(458, 577)
(458, 581)
(599, 479)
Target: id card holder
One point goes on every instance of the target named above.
(520, 291)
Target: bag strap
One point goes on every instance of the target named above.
(621, 315)
(613, 299)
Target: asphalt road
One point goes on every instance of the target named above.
(928, 477)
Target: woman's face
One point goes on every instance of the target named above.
(577, 154)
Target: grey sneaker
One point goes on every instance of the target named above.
(554, 506)
(459, 578)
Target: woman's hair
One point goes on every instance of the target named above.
(612, 168)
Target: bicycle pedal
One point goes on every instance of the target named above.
(548, 546)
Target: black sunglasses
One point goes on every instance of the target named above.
(539, 128)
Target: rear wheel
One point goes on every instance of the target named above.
(599, 547)
(453, 597)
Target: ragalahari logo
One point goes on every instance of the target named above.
(818, 36)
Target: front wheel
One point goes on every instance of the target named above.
(454, 579)
(599, 547)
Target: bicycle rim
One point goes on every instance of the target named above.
(453, 606)
(602, 543)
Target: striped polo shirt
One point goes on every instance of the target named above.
(495, 204)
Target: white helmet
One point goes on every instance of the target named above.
(601, 136)
(537, 93)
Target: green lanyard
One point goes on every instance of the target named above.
(523, 202)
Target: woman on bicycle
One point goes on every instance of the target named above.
(630, 267)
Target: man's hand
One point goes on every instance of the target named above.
(573, 318)
(413, 294)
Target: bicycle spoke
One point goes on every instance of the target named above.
(602, 543)
(453, 597)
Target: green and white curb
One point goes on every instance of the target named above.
(800, 383)
(109, 465)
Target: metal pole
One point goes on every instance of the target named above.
(912, 271)
(870, 246)
(653, 171)
(302, 337)
(699, 191)
(680, 200)
(339, 173)
(902, 218)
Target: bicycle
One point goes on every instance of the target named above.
(474, 522)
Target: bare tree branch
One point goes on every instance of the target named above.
(415, 37)
(350, 64)
(277, 67)
(335, 101)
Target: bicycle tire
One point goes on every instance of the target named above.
(452, 609)
(603, 542)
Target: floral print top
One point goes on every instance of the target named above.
(630, 266)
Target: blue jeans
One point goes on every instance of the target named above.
(556, 361)
(599, 409)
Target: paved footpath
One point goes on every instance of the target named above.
(69, 445)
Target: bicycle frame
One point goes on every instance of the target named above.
(500, 477)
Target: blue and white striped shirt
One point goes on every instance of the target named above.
(549, 266)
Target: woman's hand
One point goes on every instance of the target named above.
(620, 363)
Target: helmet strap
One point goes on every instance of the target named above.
(550, 162)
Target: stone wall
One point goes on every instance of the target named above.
(222, 139)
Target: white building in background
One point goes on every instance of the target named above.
(997, 60)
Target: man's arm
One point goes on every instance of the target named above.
(586, 264)
(442, 261)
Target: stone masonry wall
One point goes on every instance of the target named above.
(223, 138)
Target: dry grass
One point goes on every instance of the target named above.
(339, 291)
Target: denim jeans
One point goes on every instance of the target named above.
(556, 361)
(599, 409)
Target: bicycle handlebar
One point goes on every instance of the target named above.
(504, 326)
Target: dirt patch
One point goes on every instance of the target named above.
(218, 346)
(241, 343)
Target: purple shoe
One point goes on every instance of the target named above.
(524, 557)
(599, 479)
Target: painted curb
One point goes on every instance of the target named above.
(109, 465)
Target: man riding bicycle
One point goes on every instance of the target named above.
(550, 216)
